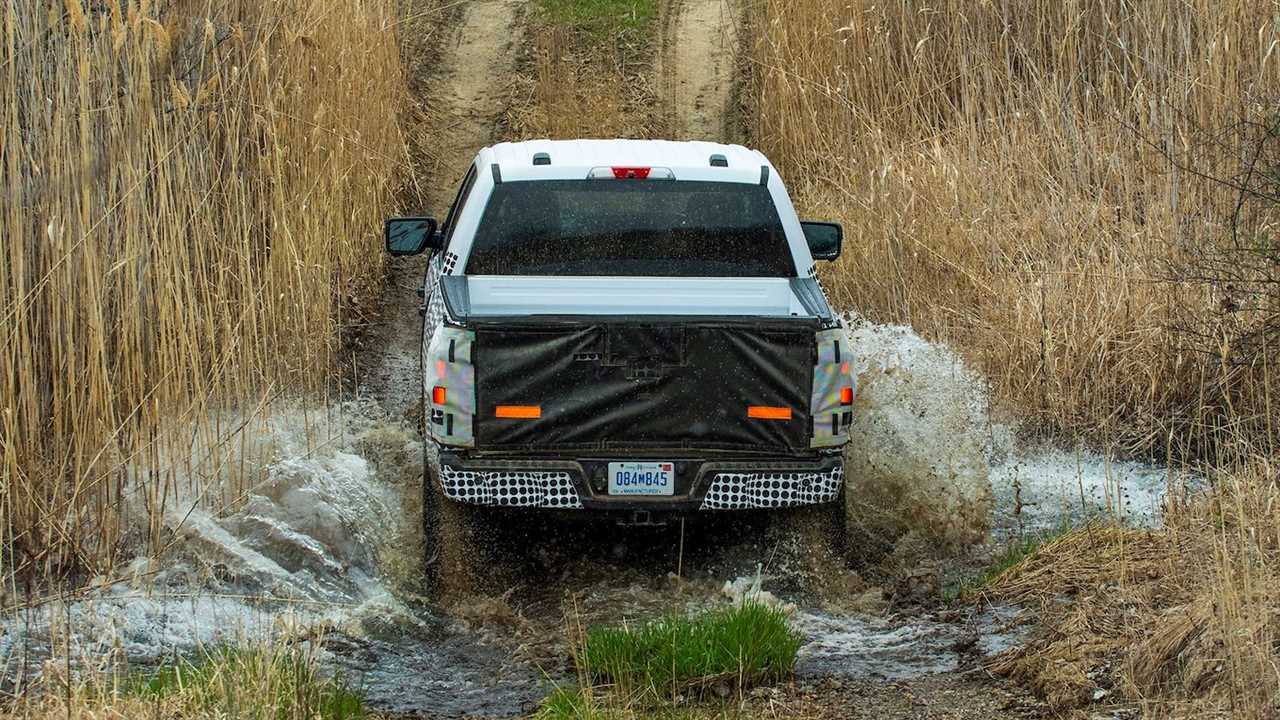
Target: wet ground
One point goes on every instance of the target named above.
(324, 550)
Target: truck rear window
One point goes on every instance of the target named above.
(631, 227)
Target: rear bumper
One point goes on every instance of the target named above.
(701, 484)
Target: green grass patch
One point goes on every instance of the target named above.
(567, 704)
(742, 645)
(601, 16)
(250, 685)
(1015, 552)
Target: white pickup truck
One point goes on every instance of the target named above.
(629, 327)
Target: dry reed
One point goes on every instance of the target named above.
(1048, 186)
(1180, 622)
(1024, 181)
(192, 196)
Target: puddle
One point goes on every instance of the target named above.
(894, 647)
(899, 648)
(451, 676)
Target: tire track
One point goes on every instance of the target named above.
(699, 69)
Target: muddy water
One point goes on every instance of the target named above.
(902, 648)
(320, 545)
(308, 551)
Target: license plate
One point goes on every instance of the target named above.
(642, 478)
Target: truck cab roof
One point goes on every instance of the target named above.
(574, 159)
(510, 244)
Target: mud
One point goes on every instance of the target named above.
(322, 550)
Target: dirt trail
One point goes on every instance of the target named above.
(461, 95)
(698, 69)
(516, 634)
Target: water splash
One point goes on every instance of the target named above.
(1039, 487)
(925, 459)
(315, 528)
(299, 553)
(917, 459)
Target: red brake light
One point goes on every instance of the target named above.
(631, 173)
(846, 396)
(437, 395)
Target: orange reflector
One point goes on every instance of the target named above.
(844, 368)
(846, 396)
(437, 395)
(519, 412)
(764, 412)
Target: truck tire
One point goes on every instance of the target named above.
(810, 544)
(454, 535)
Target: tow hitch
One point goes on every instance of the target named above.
(641, 518)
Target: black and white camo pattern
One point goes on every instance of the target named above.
(510, 488)
(744, 491)
(434, 299)
(433, 319)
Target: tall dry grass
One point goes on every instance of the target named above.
(1180, 622)
(191, 201)
(1083, 198)
(1026, 181)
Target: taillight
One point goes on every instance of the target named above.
(518, 412)
(831, 406)
(452, 410)
(631, 173)
(765, 412)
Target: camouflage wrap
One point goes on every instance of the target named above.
(831, 375)
(448, 365)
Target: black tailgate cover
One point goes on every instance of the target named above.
(668, 384)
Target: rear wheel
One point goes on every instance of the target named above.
(809, 546)
(455, 540)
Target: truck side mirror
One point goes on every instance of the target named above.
(411, 236)
(824, 239)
